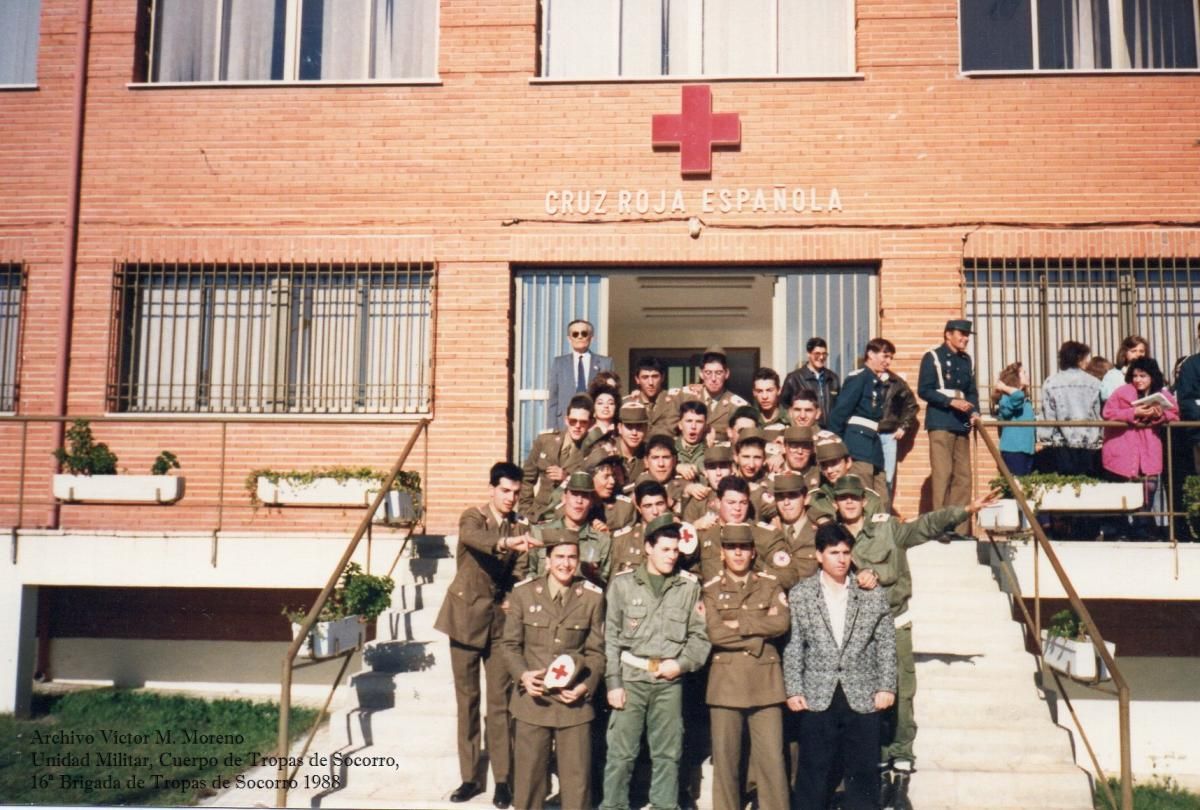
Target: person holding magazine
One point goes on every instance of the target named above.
(1135, 452)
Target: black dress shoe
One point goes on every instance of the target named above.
(465, 791)
(502, 798)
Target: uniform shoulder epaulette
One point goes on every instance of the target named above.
(623, 573)
(688, 575)
(713, 581)
(525, 581)
(765, 525)
(592, 586)
(620, 532)
(880, 517)
(765, 575)
(873, 492)
(624, 498)
(852, 373)
(736, 400)
(522, 520)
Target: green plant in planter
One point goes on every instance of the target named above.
(1035, 484)
(83, 456)
(356, 594)
(165, 462)
(405, 481)
(1065, 624)
(1191, 505)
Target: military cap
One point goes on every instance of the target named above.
(634, 414)
(797, 434)
(788, 482)
(751, 435)
(715, 349)
(958, 325)
(832, 450)
(580, 482)
(603, 456)
(735, 534)
(664, 521)
(850, 485)
(552, 537)
(718, 454)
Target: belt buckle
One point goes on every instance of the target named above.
(652, 664)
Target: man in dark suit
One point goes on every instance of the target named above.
(491, 539)
(839, 669)
(571, 373)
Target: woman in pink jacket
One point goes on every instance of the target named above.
(1135, 453)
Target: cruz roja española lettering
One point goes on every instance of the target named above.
(777, 199)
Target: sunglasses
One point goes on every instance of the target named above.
(581, 334)
(578, 422)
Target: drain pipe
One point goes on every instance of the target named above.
(71, 234)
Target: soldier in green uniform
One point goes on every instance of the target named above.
(799, 455)
(595, 545)
(835, 462)
(631, 429)
(551, 616)
(690, 444)
(660, 411)
(555, 454)
(654, 633)
(744, 418)
(791, 495)
(611, 506)
(772, 416)
(661, 459)
(880, 553)
(628, 543)
(721, 402)
(733, 507)
(747, 612)
(750, 465)
(718, 464)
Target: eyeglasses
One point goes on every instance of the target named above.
(712, 372)
(578, 422)
(581, 334)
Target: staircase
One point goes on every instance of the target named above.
(985, 736)
(986, 739)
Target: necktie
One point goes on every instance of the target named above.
(580, 379)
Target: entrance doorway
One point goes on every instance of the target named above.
(762, 316)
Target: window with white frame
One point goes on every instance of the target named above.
(272, 338)
(12, 285)
(292, 40)
(19, 24)
(1003, 35)
(641, 38)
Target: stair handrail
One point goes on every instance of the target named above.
(285, 689)
(1085, 617)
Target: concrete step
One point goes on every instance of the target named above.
(1059, 788)
(944, 749)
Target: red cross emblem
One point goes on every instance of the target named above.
(696, 131)
(559, 671)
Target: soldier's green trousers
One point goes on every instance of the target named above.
(655, 708)
(902, 719)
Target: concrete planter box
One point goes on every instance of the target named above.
(1002, 516)
(1075, 658)
(398, 508)
(327, 639)
(1090, 498)
(118, 488)
(318, 492)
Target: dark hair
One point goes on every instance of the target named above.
(732, 482)
(805, 393)
(1150, 366)
(1131, 342)
(815, 343)
(646, 488)
(671, 530)
(661, 440)
(651, 364)
(831, 534)
(580, 402)
(714, 357)
(693, 406)
(599, 387)
(1071, 354)
(591, 328)
(1098, 366)
(879, 345)
(765, 373)
(743, 412)
(504, 469)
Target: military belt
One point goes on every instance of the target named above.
(864, 422)
(649, 664)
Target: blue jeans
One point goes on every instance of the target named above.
(888, 440)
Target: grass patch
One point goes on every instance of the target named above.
(109, 746)
(1157, 794)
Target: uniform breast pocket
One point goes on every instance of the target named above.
(876, 555)
(634, 617)
(536, 622)
(572, 636)
(675, 625)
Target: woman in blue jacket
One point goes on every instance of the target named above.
(1010, 403)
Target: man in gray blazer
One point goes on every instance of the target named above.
(571, 373)
(839, 669)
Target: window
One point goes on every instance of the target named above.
(1024, 310)
(272, 338)
(12, 283)
(19, 22)
(1079, 34)
(289, 40)
(639, 38)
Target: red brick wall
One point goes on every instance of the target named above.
(928, 164)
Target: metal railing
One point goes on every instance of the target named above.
(1042, 545)
(283, 776)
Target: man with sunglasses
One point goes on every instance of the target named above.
(554, 456)
(570, 373)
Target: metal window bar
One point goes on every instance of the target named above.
(1024, 310)
(12, 295)
(279, 337)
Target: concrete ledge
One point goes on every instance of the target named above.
(1113, 570)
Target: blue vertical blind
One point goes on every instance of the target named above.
(547, 300)
(834, 304)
